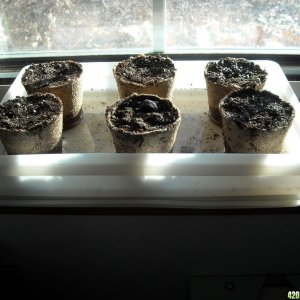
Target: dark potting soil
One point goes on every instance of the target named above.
(236, 71)
(146, 69)
(29, 113)
(49, 73)
(144, 113)
(261, 110)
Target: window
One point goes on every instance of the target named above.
(245, 24)
(75, 25)
(107, 27)
(92, 30)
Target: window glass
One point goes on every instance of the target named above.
(121, 26)
(59, 25)
(268, 24)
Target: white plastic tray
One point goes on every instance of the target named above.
(197, 174)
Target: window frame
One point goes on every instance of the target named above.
(10, 67)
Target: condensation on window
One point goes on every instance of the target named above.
(60, 25)
(206, 24)
(109, 25)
